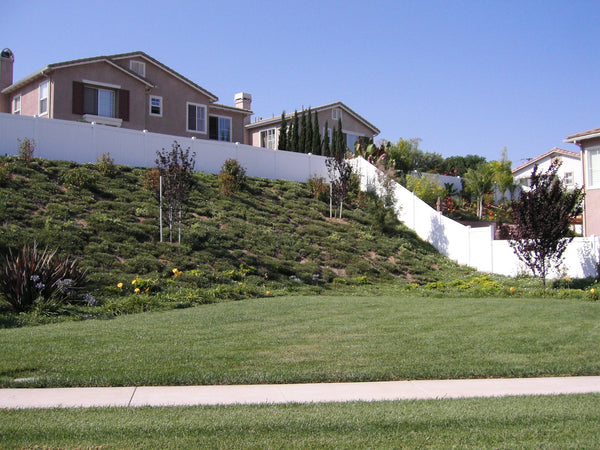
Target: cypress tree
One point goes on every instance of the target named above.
(326, 150)
(295, 135)
(282, 144)
(316, 140)
(340, 146)
(302, 144)
(309, 133)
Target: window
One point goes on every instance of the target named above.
(155, 105)
(43, 108)
(336, 114)
(219, 128)
(138, 67)
(593, 166)
(99, 102)
(525, 182)
(268, 139)
(17, 104)
(196, 118)
(569, 178)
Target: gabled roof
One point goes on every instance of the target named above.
(548, 154)
(276, 120)
(109, 59)
(582, 136)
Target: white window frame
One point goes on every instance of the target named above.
(17, 100)
(43, 101)
(336, 113)
(187, 118)
(270, 138)
(138, 67)
(592, 182)
(569, 178)
(160, 105)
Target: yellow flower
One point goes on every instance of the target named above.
(120, 285)
(147, 290)
(512, 289)
(568, 279)
(593, 291)
(134, 281)
(136, 290)
(175, 271)
(268, 292)
(179, 273)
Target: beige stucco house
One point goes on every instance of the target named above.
(589, 143)
(128, 90)
(265, 132)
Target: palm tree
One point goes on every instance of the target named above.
(480, 182)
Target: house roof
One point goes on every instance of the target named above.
(582, 136)
(276, 120)
(109, 59)
(548, 154)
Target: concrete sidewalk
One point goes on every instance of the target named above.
(292, 393)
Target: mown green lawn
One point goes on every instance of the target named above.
(515, 422)
(311, 339)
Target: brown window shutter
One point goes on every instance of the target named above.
(77, 97)
(124, 104)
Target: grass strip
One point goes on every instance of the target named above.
(311, 339)
(513, 422)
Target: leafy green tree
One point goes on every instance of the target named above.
(176, 167)
(316, 137)
(425, 188)
(541, 217)
(459, 165)
(282, 144)
(480, 182)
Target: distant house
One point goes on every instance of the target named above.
(589, 143)
(128, 90)
(265, 132)
(570, 170)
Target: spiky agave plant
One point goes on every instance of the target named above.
(32, 276)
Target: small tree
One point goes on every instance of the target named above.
(480, 182)
(340, 173)
(175, 167)
(541, 217)
(26, 150)
(232, 177)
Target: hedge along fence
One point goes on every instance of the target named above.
(84, 143)
(474, 247)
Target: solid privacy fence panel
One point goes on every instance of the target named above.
(84, 143)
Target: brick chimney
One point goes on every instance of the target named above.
(7, 60)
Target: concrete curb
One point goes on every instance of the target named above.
(292, 393)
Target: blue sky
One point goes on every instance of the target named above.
(467, 77)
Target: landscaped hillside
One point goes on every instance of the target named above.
(270, 235)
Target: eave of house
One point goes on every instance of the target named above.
(548, 154)
(230, 108)
(288, 116)
(109, 60)
(583, 136)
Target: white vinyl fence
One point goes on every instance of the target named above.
(84, 143)
(474, 247)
